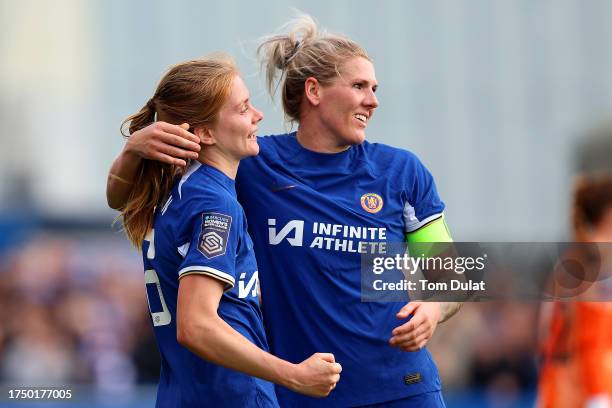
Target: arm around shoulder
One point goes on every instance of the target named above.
(160, 141)
(121, 178)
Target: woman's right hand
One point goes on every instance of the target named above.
(317, 376)
(164, 142)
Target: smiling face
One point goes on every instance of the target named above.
(348, 103)
(234, 132)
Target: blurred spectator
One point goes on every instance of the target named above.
(577, 348)
(74, 312)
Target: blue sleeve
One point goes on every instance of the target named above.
(215, 234)
(422, 203)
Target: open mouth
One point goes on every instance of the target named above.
(361, 117)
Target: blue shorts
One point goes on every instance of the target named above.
(426, 400)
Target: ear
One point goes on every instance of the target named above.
(312, 91)
(205, 134)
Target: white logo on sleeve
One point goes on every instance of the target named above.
(295, 226)
(215, 234)
(212, 242)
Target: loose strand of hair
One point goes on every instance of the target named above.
(144, 117)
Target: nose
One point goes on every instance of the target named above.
(257, 116)
(371, 101)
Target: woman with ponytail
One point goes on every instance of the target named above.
(200, 269)
(315, 200)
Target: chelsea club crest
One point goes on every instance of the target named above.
(371, 202)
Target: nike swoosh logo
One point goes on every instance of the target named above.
(281, 188)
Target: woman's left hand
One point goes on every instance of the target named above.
(415, 333)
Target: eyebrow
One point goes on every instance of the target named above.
(246, 100)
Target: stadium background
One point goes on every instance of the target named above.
(495, 97)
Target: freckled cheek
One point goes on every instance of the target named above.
(239, 129)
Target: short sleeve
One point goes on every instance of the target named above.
(422, 203)
(212, 248)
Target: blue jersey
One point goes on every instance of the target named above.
(201, 229)
(311, 215)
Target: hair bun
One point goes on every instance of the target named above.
(289, 56)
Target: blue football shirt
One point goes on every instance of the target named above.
(201, 229)
(311, 215)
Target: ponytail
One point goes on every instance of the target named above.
(152, 187)
(143, 118)
(153, 183)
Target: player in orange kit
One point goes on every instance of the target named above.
(576, 368)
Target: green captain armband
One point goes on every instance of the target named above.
(435, 231)
(426, 240)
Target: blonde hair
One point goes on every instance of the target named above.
(289, 59)
(190, 92)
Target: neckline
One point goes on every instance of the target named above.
(218, 175)
(319, 156)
